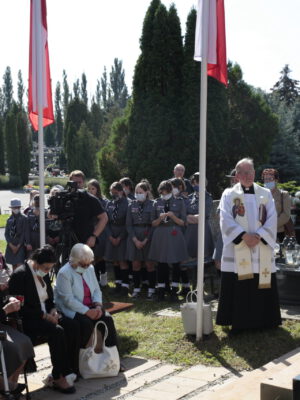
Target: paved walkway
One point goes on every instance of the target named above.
(143, 380)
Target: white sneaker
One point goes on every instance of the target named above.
(71, 378)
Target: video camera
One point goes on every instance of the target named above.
(64, 203)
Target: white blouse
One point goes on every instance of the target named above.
(42, 290)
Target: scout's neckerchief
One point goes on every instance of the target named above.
(242, 251)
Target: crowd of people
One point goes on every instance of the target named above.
(148, 241)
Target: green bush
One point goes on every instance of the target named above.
(290, 186)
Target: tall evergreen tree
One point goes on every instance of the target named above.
(117, 83)
(287, 88)
(76, 89)
(2, 103)
(7, 89)
(98, 93)
(66, 93)
(2, 153)
(95, 120)
(23, 133)
(83, 89)
(86, 150)
(104, 89)
(21, 89)
(155, 135)
(58, 115)
(11, 144)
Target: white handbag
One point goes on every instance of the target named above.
(99, 365)
(189, 315)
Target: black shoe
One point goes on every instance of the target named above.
(124, 291)
(118, 288)
(136, 295)
(160, 294)
(17, 391)
(151, 296)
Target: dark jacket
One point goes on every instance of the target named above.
(22, 282)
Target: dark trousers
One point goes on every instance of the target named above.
(59, 344)
(87, 326)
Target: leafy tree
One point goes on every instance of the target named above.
(7, 89)
(286, 88)
(58, 115)
(76, 89)
(23, 133)
(83, 89)
(21, 89)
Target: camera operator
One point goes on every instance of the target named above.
(88, 209)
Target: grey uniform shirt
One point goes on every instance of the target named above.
(176, 205)
(120, 220)
(137, 217)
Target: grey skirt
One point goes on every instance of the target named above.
(132, 252)
(191, 238)
(17, 349)
(168, 245)
(17, 258)
(116, 253)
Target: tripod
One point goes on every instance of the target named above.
(69, 238)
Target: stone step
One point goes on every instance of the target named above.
(247, 387)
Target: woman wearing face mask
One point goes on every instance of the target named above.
(33, 219)
(168, 245)
(139, 228)
(15, 235)
(117, 236)
(78, 296)
(179, 188)
(191, 232)
(128, 187)
(270, 177)
(99, 249)
(40, 317)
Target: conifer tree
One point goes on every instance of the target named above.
(58, 115)
(21, 89)
(66, 93)
(11, 144)
(23, 133)
(2, 154)
(83, 89)
(7, 89)
(287, 88)
(86, 151)
(117, 84)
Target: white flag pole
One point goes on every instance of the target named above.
(40, 94)
(202, 170)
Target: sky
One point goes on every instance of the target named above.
(86, 35)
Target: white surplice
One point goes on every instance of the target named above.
(230, 228)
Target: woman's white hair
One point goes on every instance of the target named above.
(81, 253)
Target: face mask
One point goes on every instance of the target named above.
(41, 273)
(126, 191)
(16, 211)
(269, 185)
(196, 188)
(80, 270)
(175, 191)
(114, 196)
(140, 196)
(166, 196)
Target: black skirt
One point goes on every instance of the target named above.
(244, 306)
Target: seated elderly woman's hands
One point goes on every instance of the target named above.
(13, 305)
(94, 313)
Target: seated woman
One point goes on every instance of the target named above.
(40, 317)
(78, 296)
(17, 348)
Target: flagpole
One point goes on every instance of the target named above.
(40, 94)
(202, 172)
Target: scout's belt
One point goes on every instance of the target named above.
(142, 225)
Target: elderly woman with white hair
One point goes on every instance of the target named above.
(78, 296)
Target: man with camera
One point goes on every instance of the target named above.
(88, 219)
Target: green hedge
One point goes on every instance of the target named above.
(53, 181)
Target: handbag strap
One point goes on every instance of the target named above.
(95, 333)
(189, 296)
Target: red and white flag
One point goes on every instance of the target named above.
(216, 49)
(38, 27)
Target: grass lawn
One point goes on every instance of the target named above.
(3, 219)
(2, 246)
(146, 335)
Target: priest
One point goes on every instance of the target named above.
(248, 219)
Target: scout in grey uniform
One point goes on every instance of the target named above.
(179, 191)
(99, 249)
(139, 227)
(15, 235)
(117, 236)
(168, 245)
(191, 233)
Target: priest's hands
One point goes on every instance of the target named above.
(251, 239)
